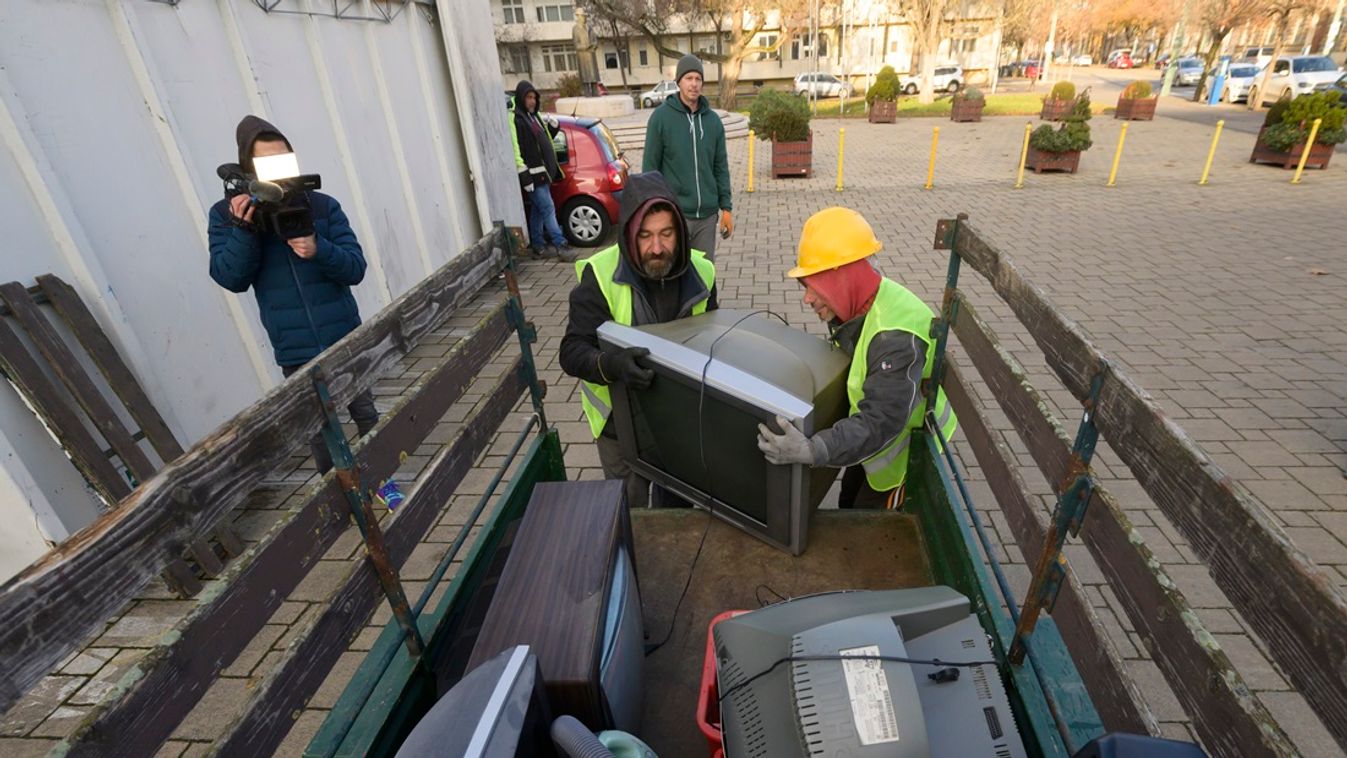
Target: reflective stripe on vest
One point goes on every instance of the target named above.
(895, 308)
(595, 398)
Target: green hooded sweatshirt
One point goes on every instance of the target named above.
(689, 149)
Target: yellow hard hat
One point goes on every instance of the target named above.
(831, 238)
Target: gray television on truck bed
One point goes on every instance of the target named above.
(701, 443)
(861, 708)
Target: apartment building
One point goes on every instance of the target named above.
(534, 41)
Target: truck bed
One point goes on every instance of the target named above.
(847, 550)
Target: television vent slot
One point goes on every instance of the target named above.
(980, 683)
(993, 722)
(969, 644)
(1003, 751)
(806, 704)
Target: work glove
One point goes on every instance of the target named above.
(526, 182)
(623, 366)
(726, 225)
(785, 449)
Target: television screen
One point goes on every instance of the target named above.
(694, 431)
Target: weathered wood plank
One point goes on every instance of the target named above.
(50, 608)
(173, 677)
(86, 453)
(270, 714)
(71, 308)
(1116, 696)
(1230, 720)
(63, 363)
(1277, 588)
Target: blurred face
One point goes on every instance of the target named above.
(690, 87)
(814, 299)
(263, 148)
(656, 243)
(531, 101)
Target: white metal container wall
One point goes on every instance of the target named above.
(113, 117)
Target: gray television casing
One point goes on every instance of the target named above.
(761, 368)
(805, 708)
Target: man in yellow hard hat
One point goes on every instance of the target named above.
(887, 331)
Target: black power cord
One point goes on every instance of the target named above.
(701, 444)
(888, 658)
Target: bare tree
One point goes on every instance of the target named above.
(743, 19)
(1221, 17)
(1280, 11)
(927, 19)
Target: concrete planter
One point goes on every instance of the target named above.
(793, 158)
(1040, 161)
(883, 112)
(1138, 109)
(1319, 154)
(966, 109)
(1056, 110)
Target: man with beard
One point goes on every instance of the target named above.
(651, 276)
(887, 332)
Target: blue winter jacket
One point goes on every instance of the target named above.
(306, 305)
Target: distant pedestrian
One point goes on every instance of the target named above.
(685, 141)
(536, 161)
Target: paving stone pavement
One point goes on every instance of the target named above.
(1223, 301)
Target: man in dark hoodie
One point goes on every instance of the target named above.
(303, 286)
(685, 141)
(651, 276)
(536, 161)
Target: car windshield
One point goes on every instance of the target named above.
(1190, 63)
(606, 141)
(1240, 72)
(1306, 65)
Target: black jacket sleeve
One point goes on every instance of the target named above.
(894, 364)
(580, 347)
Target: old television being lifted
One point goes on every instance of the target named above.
(694, 431)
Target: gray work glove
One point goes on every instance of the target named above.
(785, 449)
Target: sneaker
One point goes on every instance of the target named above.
(569, 254)
(550, 251)
(538, 252)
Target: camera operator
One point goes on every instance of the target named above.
(303, 284)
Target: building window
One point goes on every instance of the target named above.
(514, 59)
(963, 45)
(768, 40)
(556, 12)
(611, 60)
(514, 11)
(893, 45)
(643, 57)
(803, 48)
(560, 59)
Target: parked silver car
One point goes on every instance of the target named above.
(658, 94)
(821, 85)
(947, 78)
(1297, 75)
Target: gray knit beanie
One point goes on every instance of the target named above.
(686, 65)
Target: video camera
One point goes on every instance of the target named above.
(281, 204)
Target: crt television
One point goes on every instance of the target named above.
(695, 430)
(842, 701)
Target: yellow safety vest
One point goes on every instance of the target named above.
(895, 308)
(595, 398)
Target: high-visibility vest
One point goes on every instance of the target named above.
(895, 308)
(595, 398)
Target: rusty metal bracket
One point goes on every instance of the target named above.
(945, 230)
(358, 500)
(1075, 492)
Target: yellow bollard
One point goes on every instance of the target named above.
(1117, 156)
(1206, 168)
(841, 145)
(930, 169)
(1305, 155)
(751, 140)
(1024, 155)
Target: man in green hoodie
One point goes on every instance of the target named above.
(685, 141)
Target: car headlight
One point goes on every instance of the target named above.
(1304, 85)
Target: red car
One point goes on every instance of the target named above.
(595, 173)
(1121, 61)
(1032, 70)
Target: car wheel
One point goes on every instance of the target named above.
(647, 103)
(953, 87)
(910, 89)
(585, 222)
(1286, 93)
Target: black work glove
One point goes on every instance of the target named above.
(624, 366)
